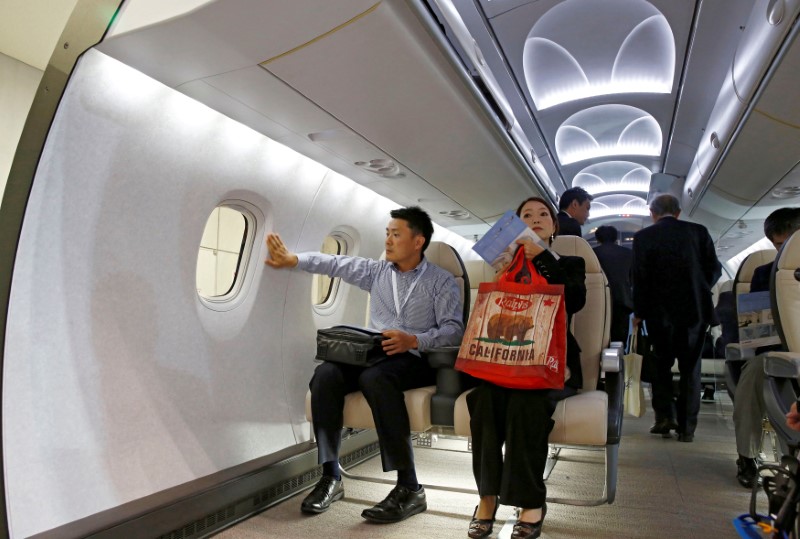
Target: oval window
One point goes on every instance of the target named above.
(323, 288)
(221, 256)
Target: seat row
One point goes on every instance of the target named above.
(592, 419)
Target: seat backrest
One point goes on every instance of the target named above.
(590, 325)
(785, 293)
(744, 275)
(725, 286)
(478, 272)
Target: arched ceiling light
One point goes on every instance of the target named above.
(582, 49)
(613, 176)
(618, 205)
(607, 130)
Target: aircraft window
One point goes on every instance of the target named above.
(221, 252)
(566, 58)
(323, 288)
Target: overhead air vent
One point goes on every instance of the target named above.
(455, 214)
(786, 192)
(385, 168)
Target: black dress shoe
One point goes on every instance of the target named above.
(327, 491)
(400, 504)
(529, 530)
(747, 472)
(685, 437)
(663, 427)
(482, 527)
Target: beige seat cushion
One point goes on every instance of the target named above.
(580, 420)
(358, 415)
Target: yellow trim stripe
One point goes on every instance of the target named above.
(323, 36)
(778, 120)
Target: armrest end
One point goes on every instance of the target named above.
(444, 356)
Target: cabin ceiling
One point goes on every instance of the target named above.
(467, 106)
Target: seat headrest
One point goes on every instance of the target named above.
(790, 254)
(754, 260)
(445, 257)
(479, 272)
(576, 246)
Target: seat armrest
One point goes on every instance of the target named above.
(450, 383)
(734, 351)
(614, 367)
(444, 356)
(611, 359)
(782, 364)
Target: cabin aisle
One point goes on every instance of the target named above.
(666, 489)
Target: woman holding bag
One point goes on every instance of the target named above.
(520, 418)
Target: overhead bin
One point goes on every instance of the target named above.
(765, 39)
(369, 68)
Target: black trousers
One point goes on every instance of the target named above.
(520, 419)
(383, 385)
(620, 320)
(673, 340)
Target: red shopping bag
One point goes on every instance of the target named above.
(516, 336)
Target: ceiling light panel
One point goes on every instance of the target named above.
(607, 130)
(566, 57)
(618, 205)
(613, 176)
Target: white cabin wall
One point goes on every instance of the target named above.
(119, 382)
(18, 83)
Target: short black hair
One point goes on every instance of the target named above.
(574, 193)
(606, 234)
(418, 221)
(665, 204)
(782, 221)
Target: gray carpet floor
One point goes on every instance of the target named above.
(665, 489)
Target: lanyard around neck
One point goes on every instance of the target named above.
(398, 306)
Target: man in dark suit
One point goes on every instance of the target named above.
(674, 267)
(573, 211)
(616, 263)
(748, 405)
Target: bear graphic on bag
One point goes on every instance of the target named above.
(507, 327)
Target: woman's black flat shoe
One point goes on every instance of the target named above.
(526, 530)
(529, 530)
(482, 527)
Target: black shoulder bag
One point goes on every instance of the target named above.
(350, 345)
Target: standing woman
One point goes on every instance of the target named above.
(520, 418)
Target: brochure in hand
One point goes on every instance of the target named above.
(498, 245)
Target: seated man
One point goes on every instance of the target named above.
(748, 404)
(416, 305)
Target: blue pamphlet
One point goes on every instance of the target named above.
(498, 245)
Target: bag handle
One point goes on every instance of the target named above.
(521, 270)
(632, 335)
